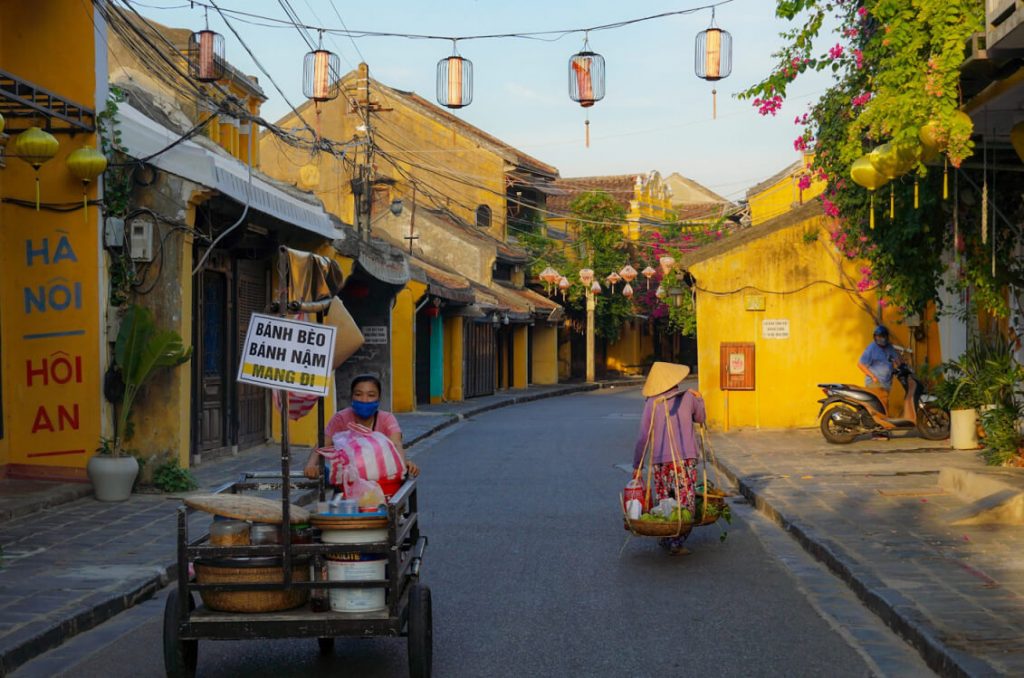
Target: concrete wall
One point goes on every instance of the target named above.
(52, 284)
(545, 354)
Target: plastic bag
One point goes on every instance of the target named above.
(372, 453)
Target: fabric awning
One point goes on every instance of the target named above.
(141, 137)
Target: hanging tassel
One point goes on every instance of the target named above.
(872, 219)
(586, 124)
(916, 194)
(956, 220)
(37, 192)
(85, 204)
(984, 210)
(714, 104)
(945, 178)
(892, 202)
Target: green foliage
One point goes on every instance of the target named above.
(117, 180)
(140, 351)
(810, 237)
(171, 477)
(1003, 441)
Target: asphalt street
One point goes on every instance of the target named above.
(533, 575)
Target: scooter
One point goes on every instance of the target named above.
(848, 411)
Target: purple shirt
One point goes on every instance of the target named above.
(683, 410)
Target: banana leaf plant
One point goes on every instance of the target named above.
(141, 350)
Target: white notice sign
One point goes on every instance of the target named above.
(375, 334)
(288, 354)
(775, 329)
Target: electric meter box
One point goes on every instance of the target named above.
(140, 237)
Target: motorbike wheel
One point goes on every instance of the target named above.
(834, 432)
(933, 422)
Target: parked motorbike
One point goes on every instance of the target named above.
(848, 411)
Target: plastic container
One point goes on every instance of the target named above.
(264, 534)
(229, 533)
(357, 567)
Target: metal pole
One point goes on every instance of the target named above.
(286, 532)
(591, 303)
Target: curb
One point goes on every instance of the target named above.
(63, 497)
(893, 608)
(42, 640)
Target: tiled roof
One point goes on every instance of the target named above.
(775, 178)
(618, 186)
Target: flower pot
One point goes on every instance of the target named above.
(112, 477)
(963, 429)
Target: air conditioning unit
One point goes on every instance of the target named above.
(140, 238)
(1004, 27)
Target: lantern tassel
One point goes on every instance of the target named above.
(586, 127)
(916, 194)
(714, 103)
(37, 192)
(984, 211)
(892, 202)
(945, 179)
(871, 220)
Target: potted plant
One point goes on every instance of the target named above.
(140, 351)
(958, 394)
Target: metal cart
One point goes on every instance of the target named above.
(408, 605)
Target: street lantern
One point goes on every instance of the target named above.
(627, 291)
(320, 71)
(563, 285)
(454, 81)
(595, 288)
(649, 273)
(85, 164)
(628, 273)
(550, 277)
(713, 57)
(586, 80)
(677, 295)
(586, 276)
(666, 263)
(35, 147)
(613, 279)
(206, 56)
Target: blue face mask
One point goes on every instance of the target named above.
(365, 410)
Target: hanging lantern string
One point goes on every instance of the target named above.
(548, 36)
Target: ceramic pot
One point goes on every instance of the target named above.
(112, 477)
(963, 429)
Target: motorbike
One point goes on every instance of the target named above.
(848, 411)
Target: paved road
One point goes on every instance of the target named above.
(532, 575)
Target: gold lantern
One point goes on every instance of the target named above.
(206, 56)
(864, 174)
(86, 163)
(454, 81)
(35, 147)
(713, 57)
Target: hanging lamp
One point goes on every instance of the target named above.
(86, 163)
(713, 57)
(563, 285)
(586, 275)
(864, 174)
(595, 287)
(454, 80)
(628, 273)
(627, 291)
(666, 262)
(320, 71)
(206, 54)
(649, 273)
(586, 80)
(613, 279)
(35, 147)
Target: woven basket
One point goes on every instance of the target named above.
(252, 601)
(664, 528)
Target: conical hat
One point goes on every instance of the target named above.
(662, 377)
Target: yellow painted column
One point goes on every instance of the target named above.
(403, 347)
(454, 346)
(520, 337)
(545, 354)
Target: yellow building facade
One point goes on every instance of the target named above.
(792, 187)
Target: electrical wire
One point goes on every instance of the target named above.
(232, 227)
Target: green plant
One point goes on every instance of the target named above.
(810, 237)
(171, 477)
(1003, 441)
(140, 351)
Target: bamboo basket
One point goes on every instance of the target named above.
(252, 601)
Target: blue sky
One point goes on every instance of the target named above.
(656, 113)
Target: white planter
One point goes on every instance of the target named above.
(112, 477)
(963, 429)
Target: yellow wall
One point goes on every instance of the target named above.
(781, 196)
(828, 328)
(454, 347)
(545, 354)
(520, 338)
(403, 347)
(50, 280)
(627, 355)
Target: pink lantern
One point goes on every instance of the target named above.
(649, 273)
(549, 275)
(586, 276)
(667, 263)
(660, 292)
(563, 285)
(613, 278)
(628, 273)
(596, 287)
(627, 291)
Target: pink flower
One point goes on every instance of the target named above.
(829, 207)
(800, 144)
(883, 303)
(862, 12)
(805, 182)
(769, 106)
(863, 238)
(859, 56)
(836, 52)
(861, 99)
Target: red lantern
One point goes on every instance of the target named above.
(454, 81)
(206, 56)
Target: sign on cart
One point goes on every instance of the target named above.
(288, 354)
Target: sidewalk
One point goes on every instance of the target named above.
(875, 514)
(69, 563)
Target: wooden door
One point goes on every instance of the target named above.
(212, 346)
(251, 297)
(480, 349)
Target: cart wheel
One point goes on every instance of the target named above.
(326, 645)
(180, 656)
(421, 632)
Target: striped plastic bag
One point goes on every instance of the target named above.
(372, 454)
(299, 404)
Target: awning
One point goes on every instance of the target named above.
(524, 305)
(445, 284)
(142, 137)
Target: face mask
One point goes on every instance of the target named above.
(882, 341)
(365, 410)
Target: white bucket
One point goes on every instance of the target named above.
(963, 429)
(367, 567)
(353, 536)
